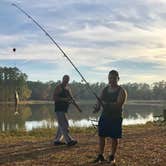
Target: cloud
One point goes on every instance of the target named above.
(97, 35)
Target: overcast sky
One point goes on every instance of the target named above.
(98, 36)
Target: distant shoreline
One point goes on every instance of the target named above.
(129, 102)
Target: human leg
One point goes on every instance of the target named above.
(114, 145)
(64, 126)
(58, 136)
(101, 145)
(100, 156)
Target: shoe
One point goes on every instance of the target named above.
(56, 143)
(111, 159)
(100, 158)
(71, 143)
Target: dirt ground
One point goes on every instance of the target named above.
(143, 145)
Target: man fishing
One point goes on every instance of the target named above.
(113, 98)
(62, 98)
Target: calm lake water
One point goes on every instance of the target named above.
(42, 115)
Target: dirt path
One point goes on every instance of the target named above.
(140, 146)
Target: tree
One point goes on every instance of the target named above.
(12, 79)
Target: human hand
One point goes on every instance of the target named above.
(66, 99)
(96, 108)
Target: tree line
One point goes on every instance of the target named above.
(12, 79)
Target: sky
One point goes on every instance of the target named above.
(98, 36)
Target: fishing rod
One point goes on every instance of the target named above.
(50, 37)
(74, 102)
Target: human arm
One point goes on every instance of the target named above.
(73, 100)
(98, 104)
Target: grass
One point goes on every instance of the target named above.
(141, 145)
(43, 132)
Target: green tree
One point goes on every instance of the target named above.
(12, 79)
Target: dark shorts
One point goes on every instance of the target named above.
(108, 127)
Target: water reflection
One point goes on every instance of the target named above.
(9, 120)
(87, 122)
(42, 115)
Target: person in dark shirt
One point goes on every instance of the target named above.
(113, 98)
(62, 101)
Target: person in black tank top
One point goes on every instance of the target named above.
(62, 105)
(110, 122)
(62, 99)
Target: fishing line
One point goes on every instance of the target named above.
(51, 38)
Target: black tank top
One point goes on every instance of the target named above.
(62, 106)
(110, 97)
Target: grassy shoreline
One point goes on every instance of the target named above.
(47, 132)
(141, 145)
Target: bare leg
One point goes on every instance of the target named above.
(100, 157)
(114, 146)
(101, 145)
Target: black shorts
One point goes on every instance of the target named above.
(108, 127)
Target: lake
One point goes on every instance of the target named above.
(31, 116)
